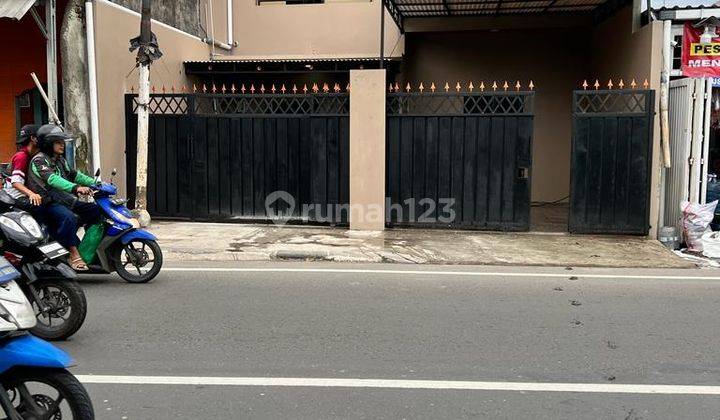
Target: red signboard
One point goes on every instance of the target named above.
(700, 52)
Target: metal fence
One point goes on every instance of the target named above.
(611, 160)
(221, 156)
(460, 159)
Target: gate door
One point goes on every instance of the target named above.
(459, 160)
(611, 160)
(246, 157)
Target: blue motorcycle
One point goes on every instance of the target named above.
(34, 382)
(126, 247)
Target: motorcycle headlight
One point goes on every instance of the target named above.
(14, 231)
(32, 226)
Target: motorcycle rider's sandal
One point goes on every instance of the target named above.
(78, 264)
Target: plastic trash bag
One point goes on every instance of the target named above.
(90, 242)
(696, 220)
(711, 244)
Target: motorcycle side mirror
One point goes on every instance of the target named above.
(97, 173)
(114, 172)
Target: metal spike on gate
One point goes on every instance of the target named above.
(183, 89)
(633, 85)
(397, 87)
(153, 89)
(421, 88)
(390, 88)
(326, 88)
(494, 85)
(646, 84)
(597, 84)
(408, 88)
(294, 88)
(282, 88)
(471, 87)
(447, 87)
(252, 87)
(531, 85)
(621, 84)
(336, 88)
(315, 88)
(518, 86)
(222, 88)
(506, 86)
(232, 88)
(458, 87)
(347, 88)
(482, 86)
(262, 88)
(214, 89)
(585, 84)
(432, 87)
(305, 88)
(272, 88)
(242, 89)
(132, 89)
(610, 84)
(194, 88)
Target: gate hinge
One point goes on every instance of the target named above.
(691, 160)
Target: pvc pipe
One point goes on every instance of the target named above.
(92, 84)
(230, 29)
(665, 92)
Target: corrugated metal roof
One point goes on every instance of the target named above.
(15, 9)
(440, 8)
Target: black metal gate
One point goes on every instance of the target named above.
(254, 157)
(611, 161)
(459, 160)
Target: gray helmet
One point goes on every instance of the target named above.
(49, 134)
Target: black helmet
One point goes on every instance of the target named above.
(49, 134)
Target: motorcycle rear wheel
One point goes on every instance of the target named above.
(68, 309)
(134, 257)
(47, 393)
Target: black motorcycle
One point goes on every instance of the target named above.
(47, 281)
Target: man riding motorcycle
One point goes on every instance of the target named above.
(50, 176)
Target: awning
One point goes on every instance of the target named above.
(15, 9)
(415, 9)
(687, 13)
(258, 66)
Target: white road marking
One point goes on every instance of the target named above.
(436, 273)
(404, 384)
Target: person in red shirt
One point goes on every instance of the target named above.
(19, 165)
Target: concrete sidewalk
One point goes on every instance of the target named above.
(182, 241)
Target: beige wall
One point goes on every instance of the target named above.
(114, 28)
(338, 28)
(553, 58)
(367, 150)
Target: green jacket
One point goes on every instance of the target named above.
(48, 173)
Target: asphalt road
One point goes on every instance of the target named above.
(533, 327)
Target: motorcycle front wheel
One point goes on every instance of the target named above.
(46, 394)
(138, 261)
(61, 310)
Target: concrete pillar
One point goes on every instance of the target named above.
(367, 150)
